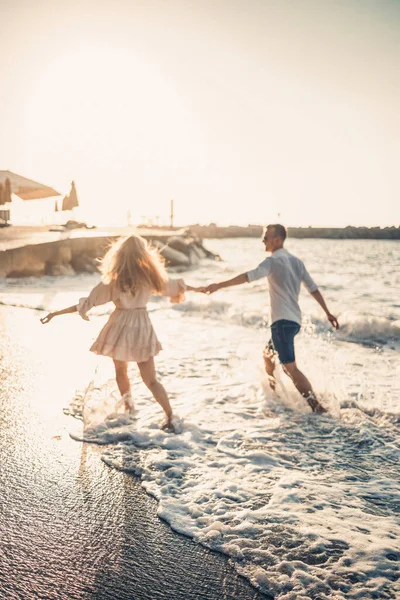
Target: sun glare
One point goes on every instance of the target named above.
(206, 109)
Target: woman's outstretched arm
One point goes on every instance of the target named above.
(64, 311)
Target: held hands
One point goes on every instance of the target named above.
(211, 288)
(181, 296)
(47, 318)
(205, 289)
(333, 320)
(200, 289)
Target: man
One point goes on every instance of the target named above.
(285, 273)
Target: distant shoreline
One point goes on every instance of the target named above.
(20, 235)
(335, 233)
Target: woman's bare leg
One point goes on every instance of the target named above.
(148, 372)
(123, 383)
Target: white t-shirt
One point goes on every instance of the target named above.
(285, 273)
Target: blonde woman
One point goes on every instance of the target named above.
(132, 272)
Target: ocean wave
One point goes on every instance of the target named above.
(20, 304)
(365, 329)
(359, 328)
(203, 308)
(298, 516)
(56, 301)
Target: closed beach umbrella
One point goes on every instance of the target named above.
(65, 203)
(71, 200)
(73, 196)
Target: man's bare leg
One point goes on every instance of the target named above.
(269, 363)
(303, 386)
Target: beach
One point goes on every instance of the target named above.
(71, 527)
(219, 132)
(255, 497)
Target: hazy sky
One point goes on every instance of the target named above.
(238, 110)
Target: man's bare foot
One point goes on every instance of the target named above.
(168, 425)
(315, 405)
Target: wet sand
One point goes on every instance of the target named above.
(70, 527)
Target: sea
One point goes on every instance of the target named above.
(305, 506)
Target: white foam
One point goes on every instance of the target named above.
(369, 327)
(296, 500)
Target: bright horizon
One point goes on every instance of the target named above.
(241, 111)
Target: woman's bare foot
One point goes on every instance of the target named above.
(129, 405)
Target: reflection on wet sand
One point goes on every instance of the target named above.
(73, 528)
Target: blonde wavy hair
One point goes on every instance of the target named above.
(130, 263)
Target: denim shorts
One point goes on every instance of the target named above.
(283, 333)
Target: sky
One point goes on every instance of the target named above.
(241, 111)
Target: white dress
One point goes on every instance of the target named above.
(128, 334)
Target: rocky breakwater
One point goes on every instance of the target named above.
(346, 233)
(82, 254)
(183, 251)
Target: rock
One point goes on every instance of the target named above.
(61, 254)
(192, 248)
(211, 255)
(179, 244)
(36, 269)
(25, 262)
(57, 269)
(173, 257)
(84, 264)
(193, 256)
(198, 248)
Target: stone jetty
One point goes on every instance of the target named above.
(81, 253)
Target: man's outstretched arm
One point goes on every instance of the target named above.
(320, 299)
(238, 280)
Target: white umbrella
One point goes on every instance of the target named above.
(27, 189)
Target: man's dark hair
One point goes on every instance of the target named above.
(280, 230)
